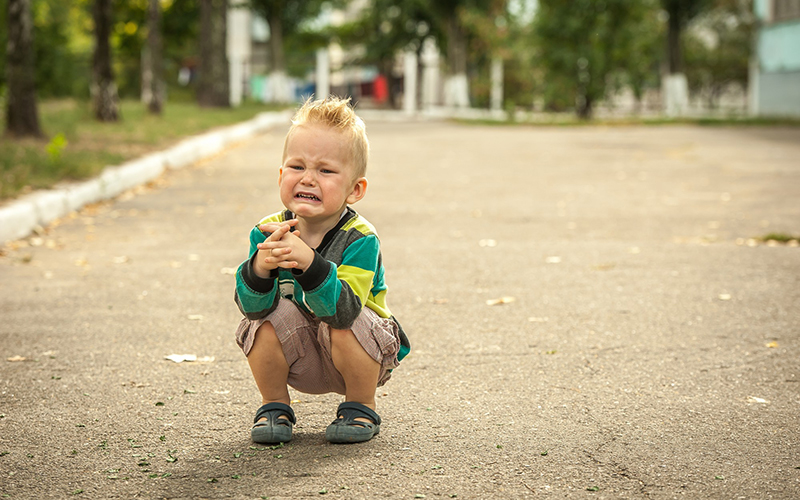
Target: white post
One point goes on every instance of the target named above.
(497, 83)
(238, 44)
(676, 94)
(323, 74)
(430, 74)
(410, 82)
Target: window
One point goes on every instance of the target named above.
(785, 10)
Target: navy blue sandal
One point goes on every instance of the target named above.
(274, 429)
(346, 429)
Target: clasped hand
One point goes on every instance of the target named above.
(283, 248)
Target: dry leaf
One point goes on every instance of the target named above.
(724, 296)
(17, 358)
(487, 243)
(501, 300)
(180, 358)
(228, 270)
(122, 259)
(533, 319)
(553, 259)
(440, 301)
(195, 317)
(772, 344)
(194, 257)
(754, 399)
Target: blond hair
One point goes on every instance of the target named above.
(337, 113)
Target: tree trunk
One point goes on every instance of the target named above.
(22, 116)
(214, 85)
(104, 88)
(154, 85)
(277, 58)
(585, 108)
(674, 26)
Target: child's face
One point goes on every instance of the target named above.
(317, 176)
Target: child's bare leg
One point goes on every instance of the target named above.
(359, 371)
(269, 367)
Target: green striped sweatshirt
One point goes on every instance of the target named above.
(347, 274)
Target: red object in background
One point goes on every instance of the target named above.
(380, 89)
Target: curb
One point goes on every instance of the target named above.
(21, 217)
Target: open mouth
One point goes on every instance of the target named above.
(306, 196)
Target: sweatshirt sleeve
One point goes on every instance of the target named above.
(336, 294)
(256, 297)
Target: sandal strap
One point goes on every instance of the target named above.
(274, 410)
(350, 410)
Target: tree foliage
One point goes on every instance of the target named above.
(582, 45)
(717, 48)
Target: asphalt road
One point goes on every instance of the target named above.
(644, 346)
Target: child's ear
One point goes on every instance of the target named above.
(359, 190)
(280, 175)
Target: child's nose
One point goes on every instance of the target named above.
(308, 177)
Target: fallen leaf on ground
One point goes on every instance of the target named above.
(754, 399)
(724, 296)
(122, 259)
(228, 270)
(772, 344)
(533, 319)
(487, 243)
(440, 301)
(501, 300)
(180, 358)
(194, 257)
(195, 317)
(553, 259)
(17, 358)
(192, 358)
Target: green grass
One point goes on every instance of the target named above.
(79, 147)
(779, 237)
(565, 120)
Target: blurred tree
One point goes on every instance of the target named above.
(717, 48)
(680, 12)
(582, 45)
(646, 51)
(285, 19)
(104, 88)
(490, 28)
(22, 115)
(455, 42)
(214, 86)
(386, 28)
(180, 20)
(152, 84)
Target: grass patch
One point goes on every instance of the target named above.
(79, 147)
(779, 237)
(566, 120)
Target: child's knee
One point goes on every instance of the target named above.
(341, 335)
(266, 336)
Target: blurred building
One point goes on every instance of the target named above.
(775, 69)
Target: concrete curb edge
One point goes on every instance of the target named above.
(21, 217)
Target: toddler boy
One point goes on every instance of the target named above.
(313, 292)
